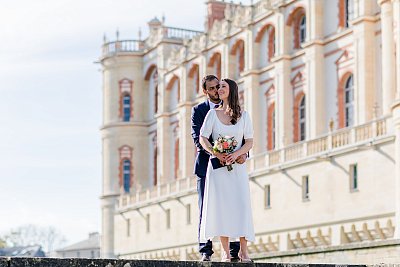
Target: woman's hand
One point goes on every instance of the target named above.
(231, 158)
(221, 157)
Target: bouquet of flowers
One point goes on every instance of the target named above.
(225, 144)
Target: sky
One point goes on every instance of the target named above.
(51, 104)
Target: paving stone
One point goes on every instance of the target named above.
(3, 262)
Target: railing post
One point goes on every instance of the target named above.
(305, 149)
(330, 141)
(267, 160)
(147, 194)
(137, 196)
(352, 135)
(374, 128)
(282, 157)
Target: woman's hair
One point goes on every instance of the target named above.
(233, 100)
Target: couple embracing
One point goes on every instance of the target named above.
(219, 125)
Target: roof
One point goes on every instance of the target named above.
(92, 242)
(27, 251)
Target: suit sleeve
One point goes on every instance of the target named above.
(196, 125)
(206, 129)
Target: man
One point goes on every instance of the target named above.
(210, 85)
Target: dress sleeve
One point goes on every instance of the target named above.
(206, 129)
(248, 126)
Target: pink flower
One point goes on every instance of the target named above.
(225, 145)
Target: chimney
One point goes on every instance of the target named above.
(215, 11)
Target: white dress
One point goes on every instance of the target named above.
(227, 207)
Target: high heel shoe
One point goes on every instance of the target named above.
(225, 257)
(241, 259)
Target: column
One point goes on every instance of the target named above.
(364, 49)
(317, 123)
(284, 92)
(396, 116)
(388, 70)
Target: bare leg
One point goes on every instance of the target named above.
(225, 255)
(243, 253)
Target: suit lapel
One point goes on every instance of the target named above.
(207, 105)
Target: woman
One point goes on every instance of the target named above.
(227, 208)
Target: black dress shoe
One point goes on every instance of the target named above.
(235, 259)
(206, 257)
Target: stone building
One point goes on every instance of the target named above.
(88, 248)
(318, 78)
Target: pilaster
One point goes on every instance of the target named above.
(364, 53)
(388, 67)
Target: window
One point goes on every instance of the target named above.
(267, 196)
(188, 217)
(302, 29)
(348, 101)
(168, 218)
(148, 223)
(271, 44)
(156, 99)
(353, 177)
(273, 130)
(127, 175)
(349, 12)
(127, 107)
(92, 254)
(302, 118)
(306, 188)
(78, 254)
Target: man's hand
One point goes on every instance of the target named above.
(241, 159)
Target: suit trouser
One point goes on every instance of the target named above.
(206, 248)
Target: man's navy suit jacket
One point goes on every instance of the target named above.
(199, 113)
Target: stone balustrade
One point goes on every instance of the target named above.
(122, 46)
(319, 147)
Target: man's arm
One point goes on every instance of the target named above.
(196, 126)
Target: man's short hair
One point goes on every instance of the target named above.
(207, 79)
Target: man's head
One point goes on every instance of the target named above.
(210, 84)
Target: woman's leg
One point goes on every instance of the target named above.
(243, 253)
(225, 255)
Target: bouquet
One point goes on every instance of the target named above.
(225, 144)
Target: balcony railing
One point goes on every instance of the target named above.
(115, 47)
(178, 33)
(320, 146)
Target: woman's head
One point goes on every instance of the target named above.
(229, 93)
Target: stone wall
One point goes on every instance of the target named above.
(54, 262)
(377, 252)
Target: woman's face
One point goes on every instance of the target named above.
(223, 90)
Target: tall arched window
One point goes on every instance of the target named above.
(302, 29)
(349, 10)
(127, 175)
(302, 119)
(127, 107)
(348, 101)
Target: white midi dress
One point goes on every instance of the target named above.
(227, 207)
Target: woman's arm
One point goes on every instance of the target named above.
(208, 147)
(248, 144)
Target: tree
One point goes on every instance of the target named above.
(3, 243)
(27, 235)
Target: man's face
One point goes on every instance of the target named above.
(212, 90)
